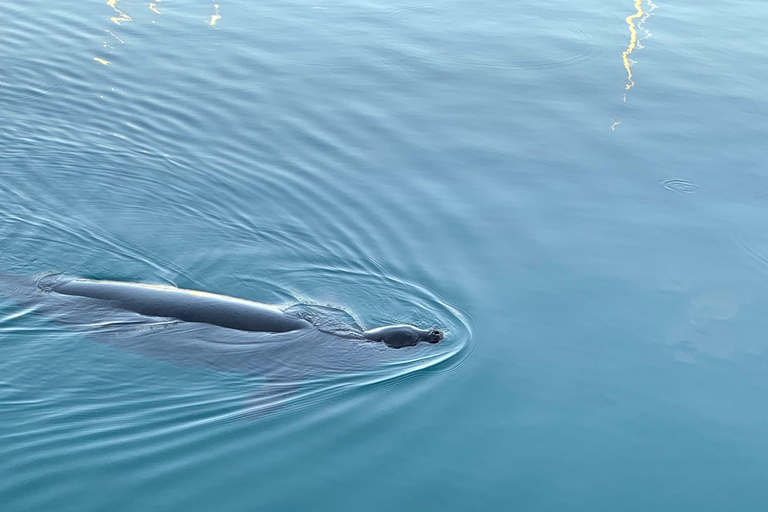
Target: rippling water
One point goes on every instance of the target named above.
(577, 193)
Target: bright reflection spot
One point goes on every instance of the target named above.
(153, 8)
(634, 40)
(214, 17)
(101, 61)
(635, 22)
(113, 35)
(121, 15)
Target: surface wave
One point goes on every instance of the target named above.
(483, 36)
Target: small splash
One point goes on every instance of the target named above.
(328, 319)
(153, 8)
(680, 186)
(614, 125)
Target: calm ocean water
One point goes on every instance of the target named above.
(578, 193)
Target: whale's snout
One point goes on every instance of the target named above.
(435, 335)
(398, 336)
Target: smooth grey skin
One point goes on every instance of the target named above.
(186, 305)
(220, 310)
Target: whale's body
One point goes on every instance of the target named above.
(219, 310)
(311, 348)
(184, 305)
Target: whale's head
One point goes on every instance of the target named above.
(433, 335)
(398, 336)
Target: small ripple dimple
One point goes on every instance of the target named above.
(680, 186)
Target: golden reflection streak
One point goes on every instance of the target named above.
(645, 17)
(635, 23)
(101, 61)
(113, 35)
(214, 17)
(153, 8)
(632, 41)
(122, 17)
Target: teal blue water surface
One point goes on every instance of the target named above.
(577, 192)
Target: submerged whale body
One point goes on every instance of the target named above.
(219, 310)
(274, 356)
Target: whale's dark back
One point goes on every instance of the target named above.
(186, 305)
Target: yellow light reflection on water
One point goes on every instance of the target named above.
(113, 35)
(214, 17)
(635, 22)
(121, 15)
(632, 41)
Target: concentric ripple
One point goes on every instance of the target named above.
(24, 81)
(680, 186)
